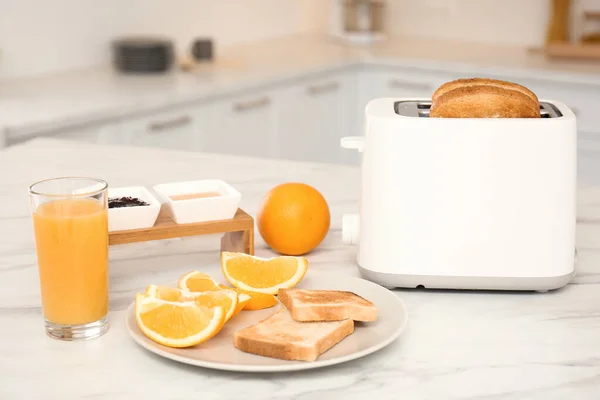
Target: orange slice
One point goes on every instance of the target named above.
(243, 299)
(263, 275)
(226, 298)
(258, 301)
(196, 281)
(165, 293)
(177, 324)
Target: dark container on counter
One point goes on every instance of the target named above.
(142, 54)
(202, 49)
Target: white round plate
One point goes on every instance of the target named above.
(220, 353)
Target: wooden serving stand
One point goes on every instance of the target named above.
(239, 231)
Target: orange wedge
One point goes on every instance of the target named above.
(263, 275)
(196, 281)
(165, 293)
(226, 298)
(257, 301)
(177, 324)
(243, 299)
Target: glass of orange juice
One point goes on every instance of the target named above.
(70, 220)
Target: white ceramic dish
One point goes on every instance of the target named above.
(220, 353)
(126, 218)
(200, 209)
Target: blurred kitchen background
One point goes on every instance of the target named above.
(277, 78)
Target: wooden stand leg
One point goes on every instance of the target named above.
(240, 242)
(249, 241)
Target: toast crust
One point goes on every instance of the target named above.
(470, 82)
(483, 98)
(327, 305)
(484, 102)
(280, 336)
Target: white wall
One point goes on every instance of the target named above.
(506, 21)
(45, 36)
(518, 22)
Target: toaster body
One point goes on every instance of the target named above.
(465, 203)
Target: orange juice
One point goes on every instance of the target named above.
(72, 248)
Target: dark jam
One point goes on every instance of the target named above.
(120, 202)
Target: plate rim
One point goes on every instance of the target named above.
(274, 368)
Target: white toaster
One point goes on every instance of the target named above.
(465, 203)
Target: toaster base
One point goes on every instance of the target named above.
(539, 284)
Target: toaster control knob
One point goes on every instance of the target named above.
(350, 228)
(353, 142)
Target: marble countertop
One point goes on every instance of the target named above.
(67, 99)
(458, 345)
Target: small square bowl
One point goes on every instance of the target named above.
(139, 217)
(200, 209)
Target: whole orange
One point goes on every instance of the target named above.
(293, 218)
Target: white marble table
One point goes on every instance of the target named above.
(457, 346)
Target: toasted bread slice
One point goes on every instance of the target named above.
(280, 336)
(327, 305)
(484, 102)
(474, 82)
(483, 98)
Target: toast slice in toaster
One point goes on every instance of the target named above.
(280, 336)
(327, 305)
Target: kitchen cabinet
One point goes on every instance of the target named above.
(406, 83)
(244, 124)
(103, 133)
(181, 128)
(584, 101)
(314, 114)
(304, 117)
(100, 132)
(588, 157)
(82, 135)
(376, 82)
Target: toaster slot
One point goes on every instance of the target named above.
(551, 109)
(420, 109)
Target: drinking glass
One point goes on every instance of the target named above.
(70, 220)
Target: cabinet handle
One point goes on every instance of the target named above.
(172, 123)
(249, 105)
(323, 88)
(395, 84)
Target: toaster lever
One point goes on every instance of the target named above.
(353, 142)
